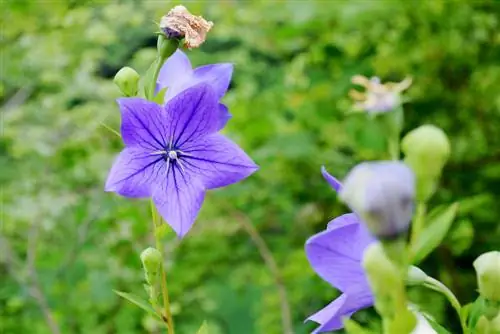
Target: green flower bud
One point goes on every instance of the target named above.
(416, 276)
(166, 47)
(487, 268)
(426, 150)
(384, 278)
(151, 261)
(127, 80)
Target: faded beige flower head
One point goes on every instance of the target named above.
(378, 97)
(179, 22)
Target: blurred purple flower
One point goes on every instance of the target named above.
(174, 154)
(177, 75)
(336, 254)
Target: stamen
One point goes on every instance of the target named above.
(184, 153)
(158, 153)
(179, 162)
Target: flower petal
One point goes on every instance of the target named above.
(133, 173)
(335, 254)
(176, 69)
(217, 161)
(178, 199)
(224, 116)
(218, 76)
(192, 114)
(331, 180)
(330, 317)
(144, 123)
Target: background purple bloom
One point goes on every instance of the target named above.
(177, 75)
(174, 154)
(336, 254)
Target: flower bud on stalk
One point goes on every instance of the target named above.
(487, 268)
(151, 261)
(127, 80)
(382, 194)
(388, 287)
(426, 150)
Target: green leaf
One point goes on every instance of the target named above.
(158, 98)
(475, 311)
(138, 301)
(145, 83)
(352, 327)
(436, 326)
(461, 236)
(438, 225)
(203, 329)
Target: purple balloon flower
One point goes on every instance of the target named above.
(336, 254)
(177, 75)
(173, 154)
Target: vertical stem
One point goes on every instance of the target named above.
(394, 148)
(270, 262)
(419, 221)
(164, 289)
(158, 64)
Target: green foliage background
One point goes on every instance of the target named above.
(63, 236)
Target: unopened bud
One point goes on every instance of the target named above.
(416, 276)
(382, 194)
(426, 150)
(384, 278)
(127, 80)
(151, 261)
(487, 268)
(166, 47)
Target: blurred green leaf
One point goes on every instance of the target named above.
(203, 329)
(475, 311)
(437, 226)
(460, 237)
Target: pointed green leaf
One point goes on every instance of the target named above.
(138, 301)
(476, 309)
(158, 98)
(145, 83)
(436, 326)
(438, 225)
(203, 329)
(352, 327)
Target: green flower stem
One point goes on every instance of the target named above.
(158, 64)
(434, 284)
(419, 221)
(393, 147)
(164, 289)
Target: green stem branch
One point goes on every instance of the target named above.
(164, 288)
(434, 284)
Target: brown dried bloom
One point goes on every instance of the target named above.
(179, 22)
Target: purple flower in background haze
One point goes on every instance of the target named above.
(177, 75)
(173, 154)
(382, 194)
(336, 254)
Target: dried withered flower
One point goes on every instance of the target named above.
(179, 22)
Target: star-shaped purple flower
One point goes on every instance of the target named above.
(173, 154)
(177, 75)
(336, 254)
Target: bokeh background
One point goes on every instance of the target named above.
(65, 244)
